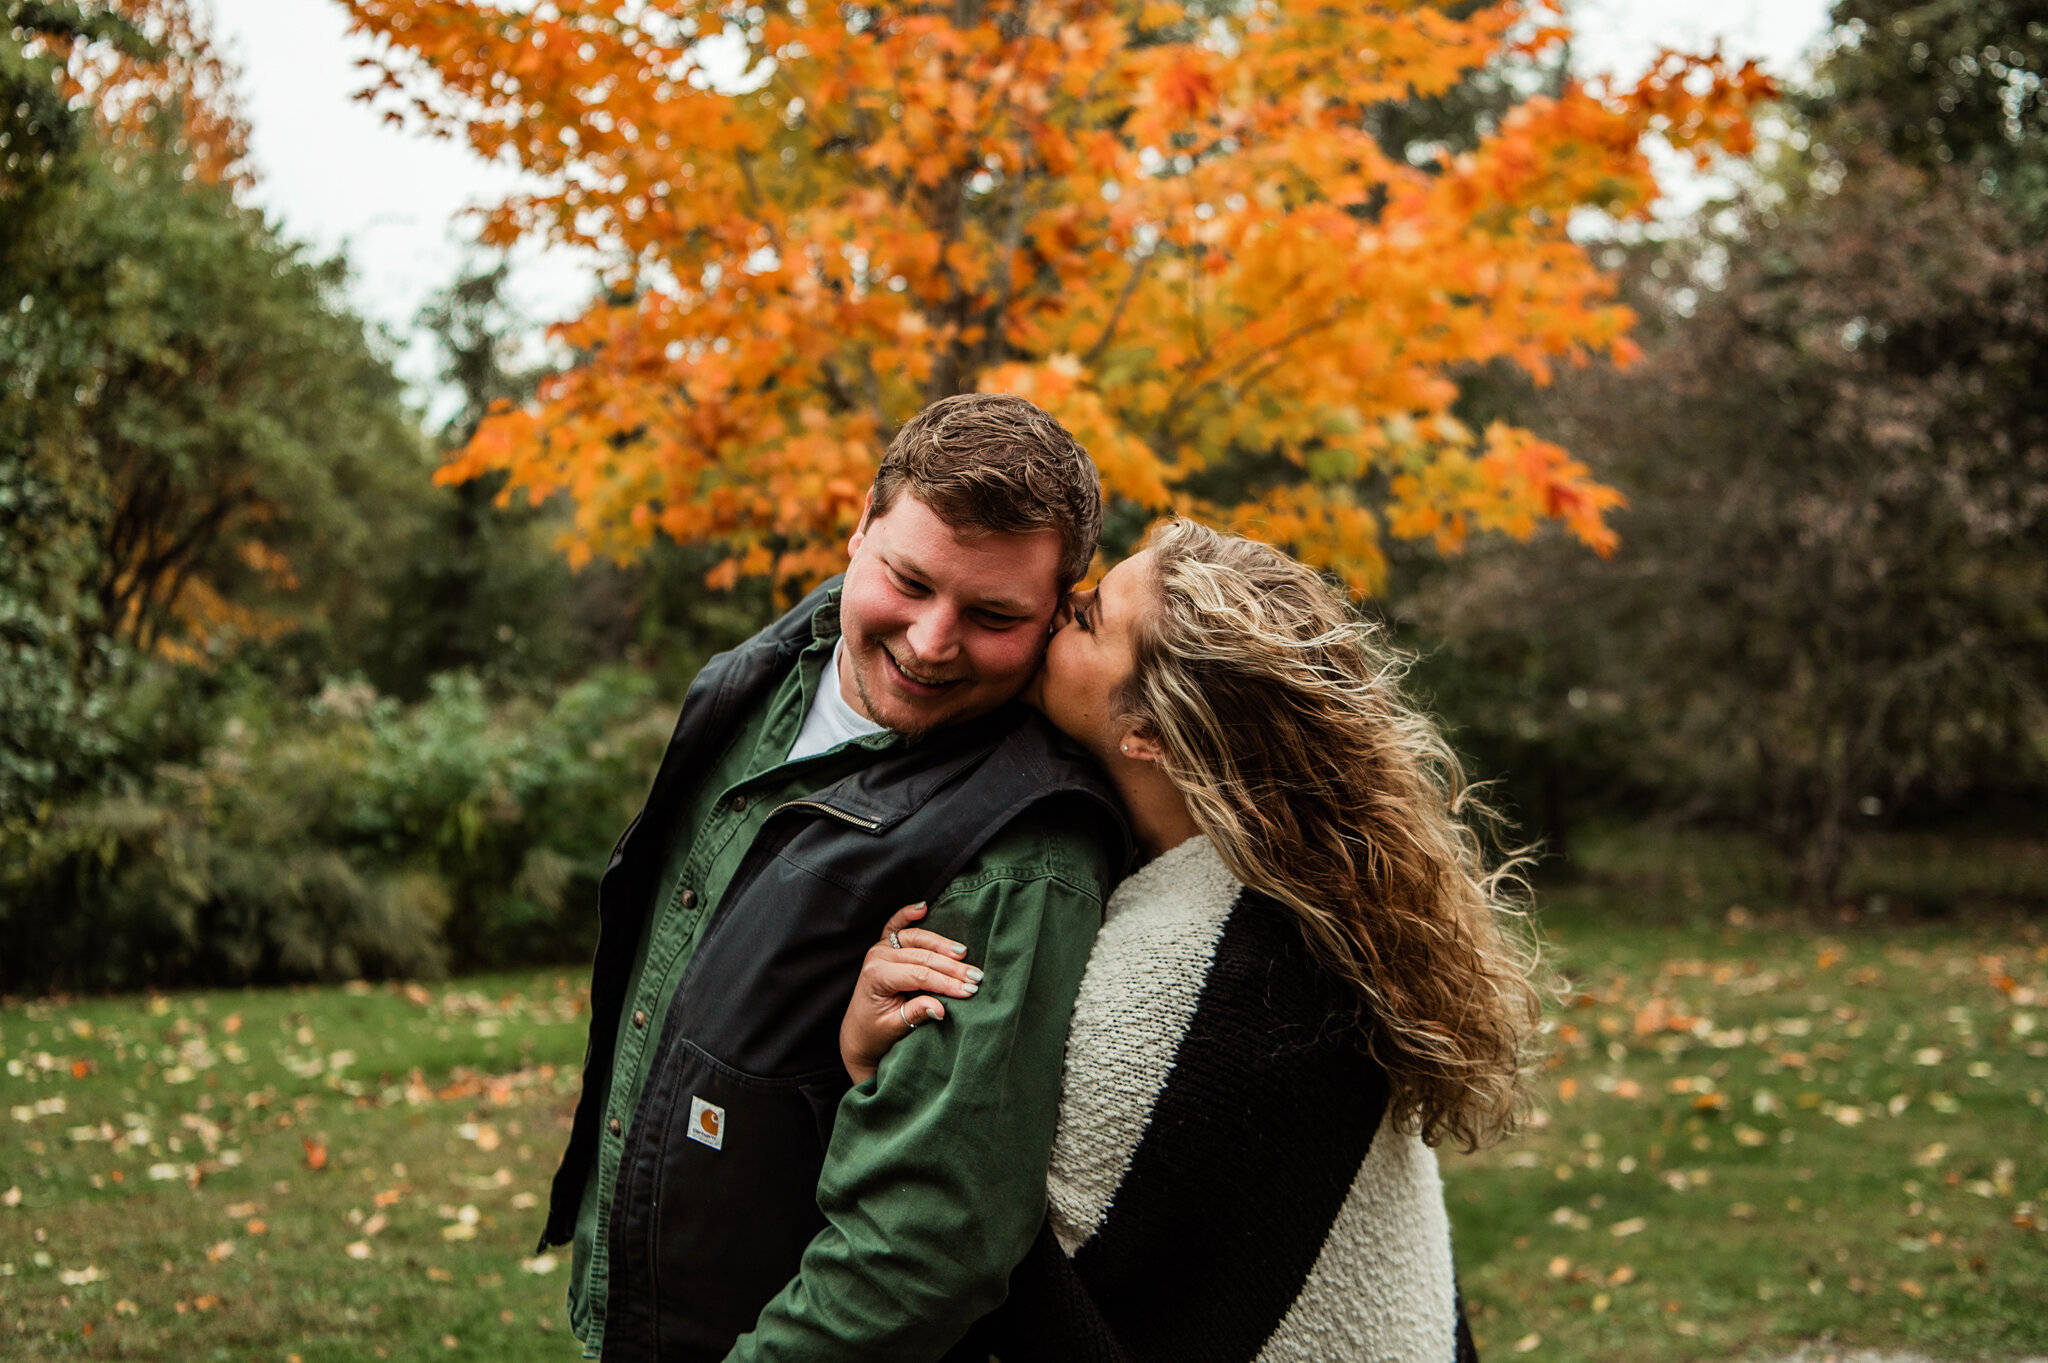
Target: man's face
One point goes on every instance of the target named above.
(941, 626)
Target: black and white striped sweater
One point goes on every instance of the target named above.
(1225, 1184)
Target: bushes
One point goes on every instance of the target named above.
(340, 837)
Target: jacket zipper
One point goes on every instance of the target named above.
(868, 825)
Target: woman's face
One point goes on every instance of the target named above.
(1090, 656)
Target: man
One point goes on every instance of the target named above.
(863, 753)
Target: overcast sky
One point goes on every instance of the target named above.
(337, 177)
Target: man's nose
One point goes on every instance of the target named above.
(935, 634)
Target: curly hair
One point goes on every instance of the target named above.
(1280, 717)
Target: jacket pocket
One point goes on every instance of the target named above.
(737, 1202)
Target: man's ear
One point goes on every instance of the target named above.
(860, 531)
(1140, 745)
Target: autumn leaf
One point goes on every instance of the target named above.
(1168, 249)
(316, 1152)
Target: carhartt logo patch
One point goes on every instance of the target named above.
(707, 1123)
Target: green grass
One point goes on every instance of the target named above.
(1758, 1132)
(175, 1172)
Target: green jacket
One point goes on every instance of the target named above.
(721, 1195)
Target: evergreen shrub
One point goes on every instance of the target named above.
(346, 836)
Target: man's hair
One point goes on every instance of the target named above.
(994, 463)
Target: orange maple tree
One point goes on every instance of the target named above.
(1170, 225)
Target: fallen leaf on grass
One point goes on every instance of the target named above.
(357, 1249)
(483, 1133)
(256, 1225)
(12, 1197)
(238, 1210)
(1633, 1226)
(316, 1152)
(440, 1275)
(1912, 1288)
(540, 1264)
(460, 1230)
(79, 1277)
(378, 1221)
(1528, 1342)
(1621, 1277)
(124, 1307)
(224, 1250)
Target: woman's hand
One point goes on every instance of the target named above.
(893, 996)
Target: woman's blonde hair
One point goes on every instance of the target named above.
(1279, 716)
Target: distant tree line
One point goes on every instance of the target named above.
(273, 705)
(1830, 608)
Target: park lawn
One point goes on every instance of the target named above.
(1755, 1132)
(337, 1173)
(1758, 1130)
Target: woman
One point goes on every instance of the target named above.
(1306, 987)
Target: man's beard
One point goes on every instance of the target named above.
(874, 712)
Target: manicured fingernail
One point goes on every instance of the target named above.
(974, 973)
(955, 949)
(971, 989)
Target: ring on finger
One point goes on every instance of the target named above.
(903, 1011)
(895, 941)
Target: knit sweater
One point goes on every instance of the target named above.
(1226, 1184)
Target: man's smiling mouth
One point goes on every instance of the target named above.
(930, 683)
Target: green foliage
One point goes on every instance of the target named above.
(1828, 603)
(1828, 607)
(246, 434)
(339, 837)
(471, 587)
(41, 129)
(199, 445)
(1942, 83)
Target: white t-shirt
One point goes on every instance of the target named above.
(831, 720)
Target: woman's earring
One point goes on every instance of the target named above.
(1127, 750)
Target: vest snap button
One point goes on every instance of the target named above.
(613, 1126)
(639, 1017)
(739, 804)
(689, 899)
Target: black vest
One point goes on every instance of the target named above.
(701, 1238)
